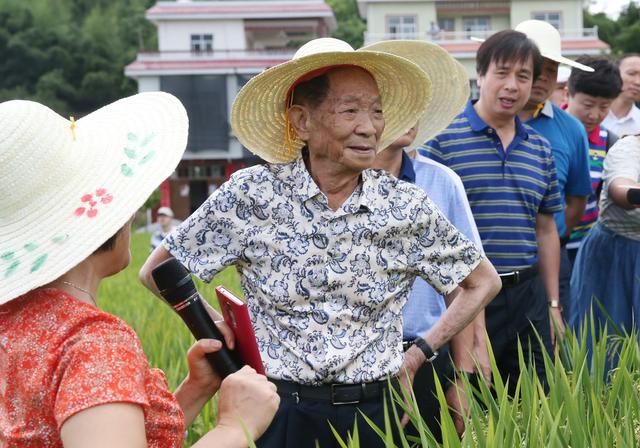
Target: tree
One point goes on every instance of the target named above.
(351, 27)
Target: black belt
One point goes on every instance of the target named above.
(336, 394)
(514, 278)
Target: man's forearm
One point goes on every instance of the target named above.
(548, 255)
(466, 301)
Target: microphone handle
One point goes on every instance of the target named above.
(633, 196)
(197, 319)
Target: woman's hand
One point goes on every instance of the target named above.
(202, 382)
(248, 401)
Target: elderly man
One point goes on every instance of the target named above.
(326, 248)
(569, 146)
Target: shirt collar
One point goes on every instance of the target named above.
(407, 173)
(547, 110)
(634, 114)
(478, 125)
(595, 137)
(305, 188)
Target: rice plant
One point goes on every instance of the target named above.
(586, 406)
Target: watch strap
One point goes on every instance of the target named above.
(430, 354)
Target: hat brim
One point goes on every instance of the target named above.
(85, 182)
(449, 83)
(258, 113)
(566, 61)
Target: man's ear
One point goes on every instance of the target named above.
(300, 119)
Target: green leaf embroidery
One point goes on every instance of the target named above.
(37, 264)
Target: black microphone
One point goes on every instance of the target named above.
(633, 196)
(177, 288)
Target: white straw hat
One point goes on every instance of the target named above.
(547, 38)
(258, 114)
(449, 83)
(67, 187)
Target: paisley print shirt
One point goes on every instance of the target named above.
(324, 288)
(59, 356)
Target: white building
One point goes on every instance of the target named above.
(206, 51)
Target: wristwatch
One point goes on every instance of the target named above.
(555, 303)
(431, 355)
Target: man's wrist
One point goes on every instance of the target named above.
(429, 354)
(555, 304)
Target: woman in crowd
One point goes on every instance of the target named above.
(607, 267)
(72, 375)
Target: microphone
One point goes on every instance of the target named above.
(177, 288)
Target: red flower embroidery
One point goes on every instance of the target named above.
(101, 197)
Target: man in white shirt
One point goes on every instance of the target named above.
(624, 116)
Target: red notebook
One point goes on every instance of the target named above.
(236, 316)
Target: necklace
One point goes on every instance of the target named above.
(93, 299)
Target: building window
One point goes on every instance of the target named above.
(552, 18)
(201, 42)
(402, 26)
(447, 24)
(477, 25)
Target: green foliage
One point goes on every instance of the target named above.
(71, 54)
(623, 35)
(350, 26)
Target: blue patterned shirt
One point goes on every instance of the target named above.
(324, 288)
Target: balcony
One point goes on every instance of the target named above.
(466, 36)
(215, 61)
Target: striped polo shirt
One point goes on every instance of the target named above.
(597, 152)
(506, 189)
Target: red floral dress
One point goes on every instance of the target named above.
(59, 356)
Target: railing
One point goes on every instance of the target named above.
(464, 36)
(284, 53)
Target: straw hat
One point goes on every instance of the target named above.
(547, 38)
(449, 83)
(258, 113)
(67, 187)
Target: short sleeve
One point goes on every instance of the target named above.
(100, 368)
(210, 239)
(445, 257)
(551, 202)
(623, 160)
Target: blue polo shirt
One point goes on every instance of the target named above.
(570, 149)
(506, 189)
(424, 305)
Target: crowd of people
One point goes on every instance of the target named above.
(395, 228)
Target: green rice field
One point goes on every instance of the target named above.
(582, 409)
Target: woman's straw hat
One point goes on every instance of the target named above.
(449, 83)
(258, 114)
(68, 186)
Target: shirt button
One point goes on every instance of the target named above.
(490, 131)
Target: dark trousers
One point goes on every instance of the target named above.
(303, 423)
(424, 388)
(517, 313)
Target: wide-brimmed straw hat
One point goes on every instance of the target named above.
(449, 83)
(68, 186)
(548, 40)
(259, 111)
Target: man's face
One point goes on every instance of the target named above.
(545, 84)
(346, 127)
(505, 87)
(406, 139)
(590, 110)
(630, 73)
